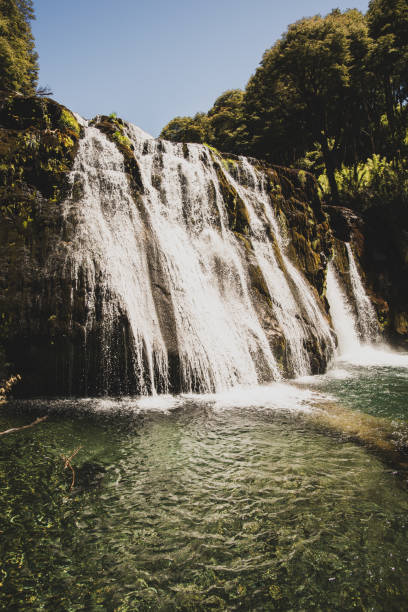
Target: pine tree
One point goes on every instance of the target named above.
(18, 59)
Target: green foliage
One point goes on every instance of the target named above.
(68, 121)
(388, 26)
(121, 139)
(376, 182)
(223, 127)
(329, 94)
(38, 147)
(18, 60)
(303, 91)
(228, 130)
(186, 129)
(312, 161)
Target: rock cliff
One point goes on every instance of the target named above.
(73, 323)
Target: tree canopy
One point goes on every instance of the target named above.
(18, 59)
(330, 93)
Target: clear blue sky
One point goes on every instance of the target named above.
(150, 60)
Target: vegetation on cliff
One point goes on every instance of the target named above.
(38, 143)
(330, 93)
(18, 59)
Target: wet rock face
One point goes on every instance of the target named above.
(39, 140)
(343, 222)
(384, 259)
(381, 248)
(45, 328)
(63, 327)
(113, 127)
(296, 197)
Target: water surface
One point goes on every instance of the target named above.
(239, 501)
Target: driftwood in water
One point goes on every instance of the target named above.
(13, 429)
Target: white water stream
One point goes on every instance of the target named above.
(174, 240)
(293, 302)
(357, 335)
(342, 316)
(108, 246)
(367, 320)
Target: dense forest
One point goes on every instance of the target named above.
(330, 97)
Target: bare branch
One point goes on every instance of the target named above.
(68, 464)
(39, 420)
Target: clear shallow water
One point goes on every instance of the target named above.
(239, 501)
(374, 381)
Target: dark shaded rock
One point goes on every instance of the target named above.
(343, 221)
(380, 242)
(384, 259)
(295, 195)
(38, 143)
(88, 476)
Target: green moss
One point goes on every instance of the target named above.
(68, 121)
(37, 152)
(213, 149)
(302, 178)
(238, 216)
(113, 127)
(229, 164)
(121, 139)
(401, 323)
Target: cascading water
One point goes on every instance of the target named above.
(109, 248)
(367, 320)
(294, 304)
(357, 327)
(166, 261)
(344, 322)
(220, 339)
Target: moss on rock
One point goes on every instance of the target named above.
(238, 217)
(294, 195)
(114, 128)
(38, 144)
(39, 140)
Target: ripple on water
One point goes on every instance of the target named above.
(233, 501)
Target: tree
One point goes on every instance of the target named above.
(275, 115)
(186, 129)
(228, 131)
(308, 88)
(18, 59)
(388, 26)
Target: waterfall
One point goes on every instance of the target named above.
(367, 320)
(220, 340)
(109, 248)
(344, 322)
(294, 305)
(163, 275)
(354, 327)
